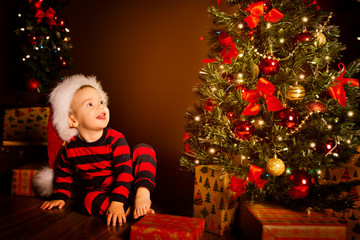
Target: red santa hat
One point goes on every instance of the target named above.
(59, 131)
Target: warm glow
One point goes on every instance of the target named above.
(350, 114)
(197, 118)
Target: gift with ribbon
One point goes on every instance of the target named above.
(229, 50)
(257, 10)
(239, 185)
(213, 199)
(264, 89)
(337, 91)
(48, 15)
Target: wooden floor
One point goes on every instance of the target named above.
(21, 218)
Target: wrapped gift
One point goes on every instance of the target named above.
(23, 126)
(213, 199)
(270, 221)
(160, 226)
(22, 179)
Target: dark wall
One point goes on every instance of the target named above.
(147, 54)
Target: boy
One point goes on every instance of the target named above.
(100, 154)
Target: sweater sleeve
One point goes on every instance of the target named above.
(122, 164)
(63, 178)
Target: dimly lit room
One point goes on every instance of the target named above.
(250, 110)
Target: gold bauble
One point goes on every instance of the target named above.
(296, 92)
(320, 39)
(275, 167)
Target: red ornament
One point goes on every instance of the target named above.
(64, 63)
(301, 38)
(33, 39)
(300, 182)
(267, 6)
(288, 118)
(210, 104)
(315, 106)
(229, 77)
(35, 4)
(61, 22)
(244, 129)
(230, 115)
(33, 84)
(242, 89)
(187, 148)
(269, 66)
(328, 147)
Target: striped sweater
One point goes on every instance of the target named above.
(105, 163)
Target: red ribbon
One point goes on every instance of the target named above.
(337, 90)
(256, 10)
(265, 89)
(238, 185)
(219, 1)
(49, 15)
(229, 50)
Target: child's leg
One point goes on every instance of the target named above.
(97, 202)
(144, 168)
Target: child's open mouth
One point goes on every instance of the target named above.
(101, 116)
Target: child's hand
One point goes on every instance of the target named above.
(53, 203)
(115, 212)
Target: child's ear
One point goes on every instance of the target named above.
(72, 122)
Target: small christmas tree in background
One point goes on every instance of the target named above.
(275, 96)
(45, 42)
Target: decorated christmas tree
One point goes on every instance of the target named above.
(276, 104)
(45, 42)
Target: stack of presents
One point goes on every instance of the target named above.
(216, 210)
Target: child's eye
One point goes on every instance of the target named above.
(89, 104)
(101, 102)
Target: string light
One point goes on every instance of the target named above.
(212, 150)
(197, 162)
(312, 145)
(305, 19)
(241, 26)
(197, 118)
(350, 114)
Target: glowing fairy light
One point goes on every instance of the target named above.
(197, 118)
(350, 114)
(305, 19)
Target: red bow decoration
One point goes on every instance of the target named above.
(265, 89)
(238, 185)
(219, 1)
(49, 15)
(256, 10)
(229, 50)
(337, 90)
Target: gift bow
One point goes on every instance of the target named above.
(265, 89)
(238, 185)
(49, 15)
(229, 50)
(256, 10)
(337, 90)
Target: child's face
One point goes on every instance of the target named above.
(88, 111)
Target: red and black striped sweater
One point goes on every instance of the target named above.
(105, 163)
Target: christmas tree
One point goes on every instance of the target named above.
(276, 104)
(45, 42)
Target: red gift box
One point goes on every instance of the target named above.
(267, 221)
(160, 226)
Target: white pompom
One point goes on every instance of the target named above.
(43, 182)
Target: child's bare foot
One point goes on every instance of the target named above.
(142, 203)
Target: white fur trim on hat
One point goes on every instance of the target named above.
(61, 97)
(43, 182)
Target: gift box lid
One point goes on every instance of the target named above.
(273, 214)
(186, 227)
